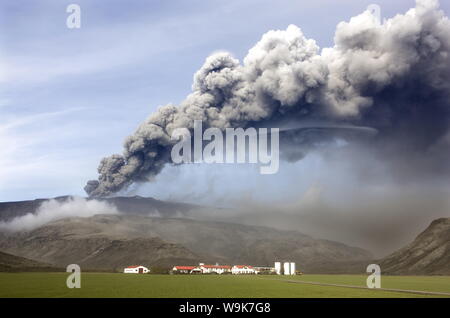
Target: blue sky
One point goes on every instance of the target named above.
(69, 97)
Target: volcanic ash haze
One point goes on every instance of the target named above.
(393, 77)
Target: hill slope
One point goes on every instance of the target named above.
(12, 263)
(111, 241)
(429, 253)
(131, 205)
(10, 210)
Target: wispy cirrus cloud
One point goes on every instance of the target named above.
(23, 140)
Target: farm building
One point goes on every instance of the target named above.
(202, 269)
(221, 269)
(243, 269)
(136, 269)
(267, 270)
(183, 269)
(286, 268)
(214, 269)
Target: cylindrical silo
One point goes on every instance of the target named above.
(278, 268)
(292, 268)
(287, 268)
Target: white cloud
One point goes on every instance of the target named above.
(53, 210)
(20, 137)
(110, 48)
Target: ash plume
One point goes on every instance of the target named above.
(393, 77)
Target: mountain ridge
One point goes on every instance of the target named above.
(427, 254)
(165, 240)
(14, 263)
(133, 204)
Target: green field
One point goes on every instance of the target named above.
(129, 285)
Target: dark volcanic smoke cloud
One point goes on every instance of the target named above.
(393, 77)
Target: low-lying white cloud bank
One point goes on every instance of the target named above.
(52, 210)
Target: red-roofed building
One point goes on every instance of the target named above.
(243, 269)
(202, 269)
(218, 269)
(214, 269)
(183, 269)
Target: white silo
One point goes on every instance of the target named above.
(287, 268)
(292, 268)
(278, 268)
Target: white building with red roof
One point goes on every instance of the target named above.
(243, 269)
(136, 269)
(202, 269)
(184, 269)
(214, 269)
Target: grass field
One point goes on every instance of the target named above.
(225, 286)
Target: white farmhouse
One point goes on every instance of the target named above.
(214, 269)
(184, 269)
(243, 269)
(136, 269)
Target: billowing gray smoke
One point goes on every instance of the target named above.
(393, 77)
